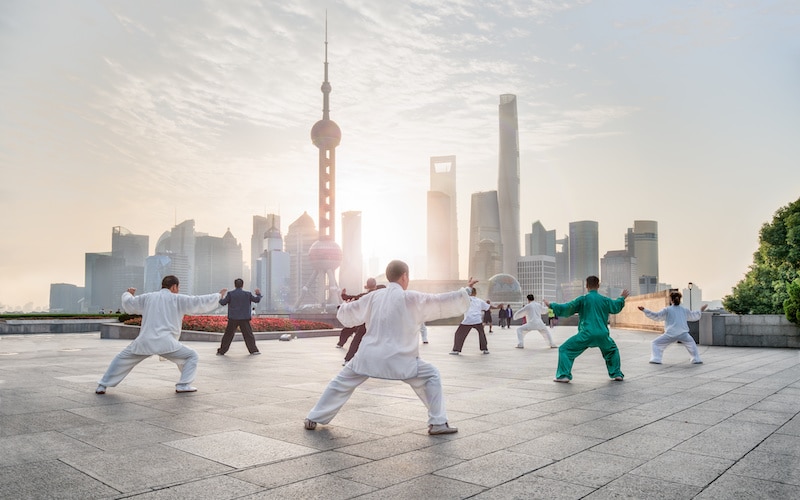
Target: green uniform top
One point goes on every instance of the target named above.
(593, 310)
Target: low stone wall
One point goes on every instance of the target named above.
(632, 318)
(18, 326)
(730, 330)
(752, 330)
(129, 332)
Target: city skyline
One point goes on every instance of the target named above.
(142, 115)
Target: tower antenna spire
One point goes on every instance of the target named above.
(326, 86)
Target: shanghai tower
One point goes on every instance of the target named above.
(508, 182)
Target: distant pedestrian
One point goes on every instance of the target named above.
(390, 349)
(593, 310)
(162, 316)
(502, 316)
(472, 319)
(239, 316)
(487, 316)
(346, 332)
(359, 330)
(676, 328)
(533, 321)
(552, 319)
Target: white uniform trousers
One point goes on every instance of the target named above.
(540, 327)
(427, 384)
(185, 357)
(662, 341)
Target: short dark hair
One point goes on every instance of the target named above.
(675, 298)
(169, 281)
(238, 282)
(592, 282)
(530, 297)
(395, 269)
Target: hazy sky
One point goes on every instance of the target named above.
(144, 113)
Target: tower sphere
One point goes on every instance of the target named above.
(325, 134)
(325, 255)
(504, 288)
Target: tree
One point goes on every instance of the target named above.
(791, 306)
(776, 264)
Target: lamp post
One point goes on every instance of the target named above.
(690, 295)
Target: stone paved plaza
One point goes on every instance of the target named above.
(725, 429)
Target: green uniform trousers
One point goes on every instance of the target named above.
(574, 347)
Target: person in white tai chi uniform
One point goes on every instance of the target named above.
(162, 316)
(676, 328)
(390, 348)
(533, 321)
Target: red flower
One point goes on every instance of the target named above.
(261, 324)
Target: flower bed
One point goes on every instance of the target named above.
(218, 323)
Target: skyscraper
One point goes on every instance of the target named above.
(562, 268)
(98, 282)
(485, 240)
(641, 241)
(128, 252)
(584, 253)
(299, 238)
(261, 225)
(180, 240)
(537, 275)
(442, 220)
(218, 261)
(540, 241)
(325, 254)
(273, 273)
(619, 272)
(508, 182)
(352, 270)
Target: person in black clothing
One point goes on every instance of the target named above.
(239, 316)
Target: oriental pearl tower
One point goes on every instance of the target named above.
(325, 254)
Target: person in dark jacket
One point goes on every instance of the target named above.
(239, 315)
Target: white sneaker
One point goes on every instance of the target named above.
(563, 380)
(185, 388)
(455, 353)
(520, 347)
(655, 362)
(698, 362)
(101, 389)
(441, 429)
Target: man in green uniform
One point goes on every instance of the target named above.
(593, 310)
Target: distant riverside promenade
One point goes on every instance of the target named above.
(714, 329)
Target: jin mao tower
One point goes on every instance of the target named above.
(325, 254)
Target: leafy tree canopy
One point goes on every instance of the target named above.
(776, 264)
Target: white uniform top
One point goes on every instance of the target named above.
(533, 314)
(474, 315)
(675, 319)
(390, 348)
(162, 316)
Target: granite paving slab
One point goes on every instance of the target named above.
(240, 449)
